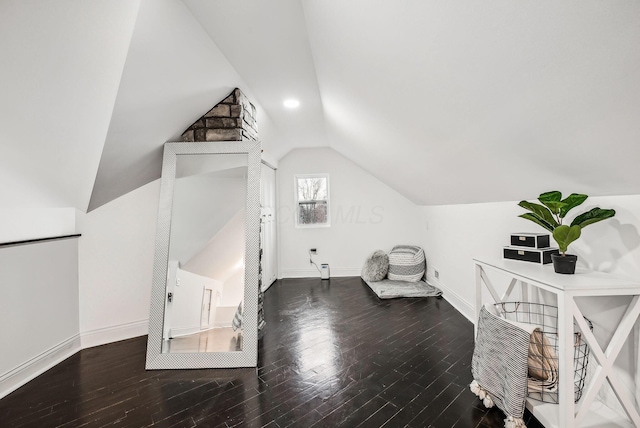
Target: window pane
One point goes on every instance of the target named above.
(312, 212)
(312, 189)
(312, 197)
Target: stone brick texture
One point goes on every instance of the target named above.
(232, 119)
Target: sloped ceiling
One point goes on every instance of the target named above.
(462, 101)
(174, 73)
(267, 43)
(61, 66)
(447, 101)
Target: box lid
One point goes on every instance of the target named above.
(529, 234)
(509, 247)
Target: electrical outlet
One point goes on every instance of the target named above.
(436, 274)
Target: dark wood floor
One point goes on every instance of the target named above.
(333, 355)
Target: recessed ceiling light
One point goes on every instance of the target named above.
(291, 103)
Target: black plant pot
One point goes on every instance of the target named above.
(564, 264)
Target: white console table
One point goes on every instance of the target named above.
(587, 412)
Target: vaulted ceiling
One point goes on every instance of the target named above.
(447, 101)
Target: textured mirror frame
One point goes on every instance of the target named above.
(248, 356)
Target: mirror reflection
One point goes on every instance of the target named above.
(206, 267)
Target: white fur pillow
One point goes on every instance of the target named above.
(376, 266)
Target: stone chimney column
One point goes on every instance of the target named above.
(233, 119)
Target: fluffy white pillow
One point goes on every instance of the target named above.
(376, 266)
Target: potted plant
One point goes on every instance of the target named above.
(551, 214)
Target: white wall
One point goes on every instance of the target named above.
(186, 308)
(366, 215)
(38, 309)
(18, 224)
(225, 315)
(454, 234)
(116, 266)
(233, 291)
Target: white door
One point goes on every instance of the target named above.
(268, 220)
(206, 309)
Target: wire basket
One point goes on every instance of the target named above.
(543, 349)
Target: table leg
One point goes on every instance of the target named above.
(606, 360)
(565, 361)
(478, 297)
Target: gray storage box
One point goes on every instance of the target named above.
(530, 240)
(534, 255)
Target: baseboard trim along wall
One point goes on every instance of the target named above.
(102, 336)
(49, 358)
(184, 331)
(461, 305)
(39, 364)
(313, 272)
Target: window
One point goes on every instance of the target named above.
(312, 200)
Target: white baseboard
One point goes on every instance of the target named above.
(39, 364)
(313, 272)
(265, 288)
(184, 331)
(102, 336)
(461, 305)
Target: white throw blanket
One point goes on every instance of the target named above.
(500, 364)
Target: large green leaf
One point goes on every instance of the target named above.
(565, 235)
(549, 199)
(572, 201)
(553, 196)
(538, 220)
(540, 210)
(593, 216)
(552, 200)
(556, 207)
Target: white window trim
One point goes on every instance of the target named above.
(295, 190)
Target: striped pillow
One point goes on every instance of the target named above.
(406, 263)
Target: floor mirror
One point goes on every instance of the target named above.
(204, 298)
